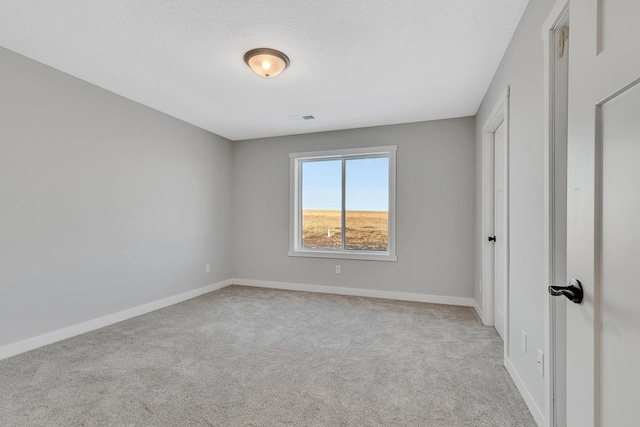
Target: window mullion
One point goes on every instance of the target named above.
(299, 211)
(343, 210)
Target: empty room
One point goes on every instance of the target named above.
(338, 213)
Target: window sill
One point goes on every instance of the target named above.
(367, 256)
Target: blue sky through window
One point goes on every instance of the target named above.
(367, 184)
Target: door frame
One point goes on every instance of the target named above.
(499, 115)
(551, 24)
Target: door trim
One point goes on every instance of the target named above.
(560, 9)
(499, 115)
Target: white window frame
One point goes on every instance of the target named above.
(295, 220)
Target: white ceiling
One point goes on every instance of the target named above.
(353, 63)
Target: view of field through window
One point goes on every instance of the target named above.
(366, 204)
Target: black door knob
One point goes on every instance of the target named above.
(492, 238)
(573, 292)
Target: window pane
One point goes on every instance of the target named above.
(367, 204)
(321, 204)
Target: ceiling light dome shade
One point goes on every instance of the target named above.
(266, 62)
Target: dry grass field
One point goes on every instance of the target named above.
(364, 230)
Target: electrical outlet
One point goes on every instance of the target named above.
(207, 268)
(524, 342)
(337, 269)
(541, 362)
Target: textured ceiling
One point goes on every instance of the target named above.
(353, 63)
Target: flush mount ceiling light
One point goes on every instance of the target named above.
(266, 62)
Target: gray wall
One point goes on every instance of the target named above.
(435, 200)
(105, 204)
(522, 68)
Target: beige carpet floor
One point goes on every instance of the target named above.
(258, 357)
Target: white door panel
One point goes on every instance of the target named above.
(619, 341)
(616, 23)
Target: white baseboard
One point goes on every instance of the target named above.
(91, 325)
(402, 296)
(538, 415)
(478, 311)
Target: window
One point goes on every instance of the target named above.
(343, 204)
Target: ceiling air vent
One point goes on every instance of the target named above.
(309, 117)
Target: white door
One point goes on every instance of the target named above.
(500, 228)
(603, 218)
